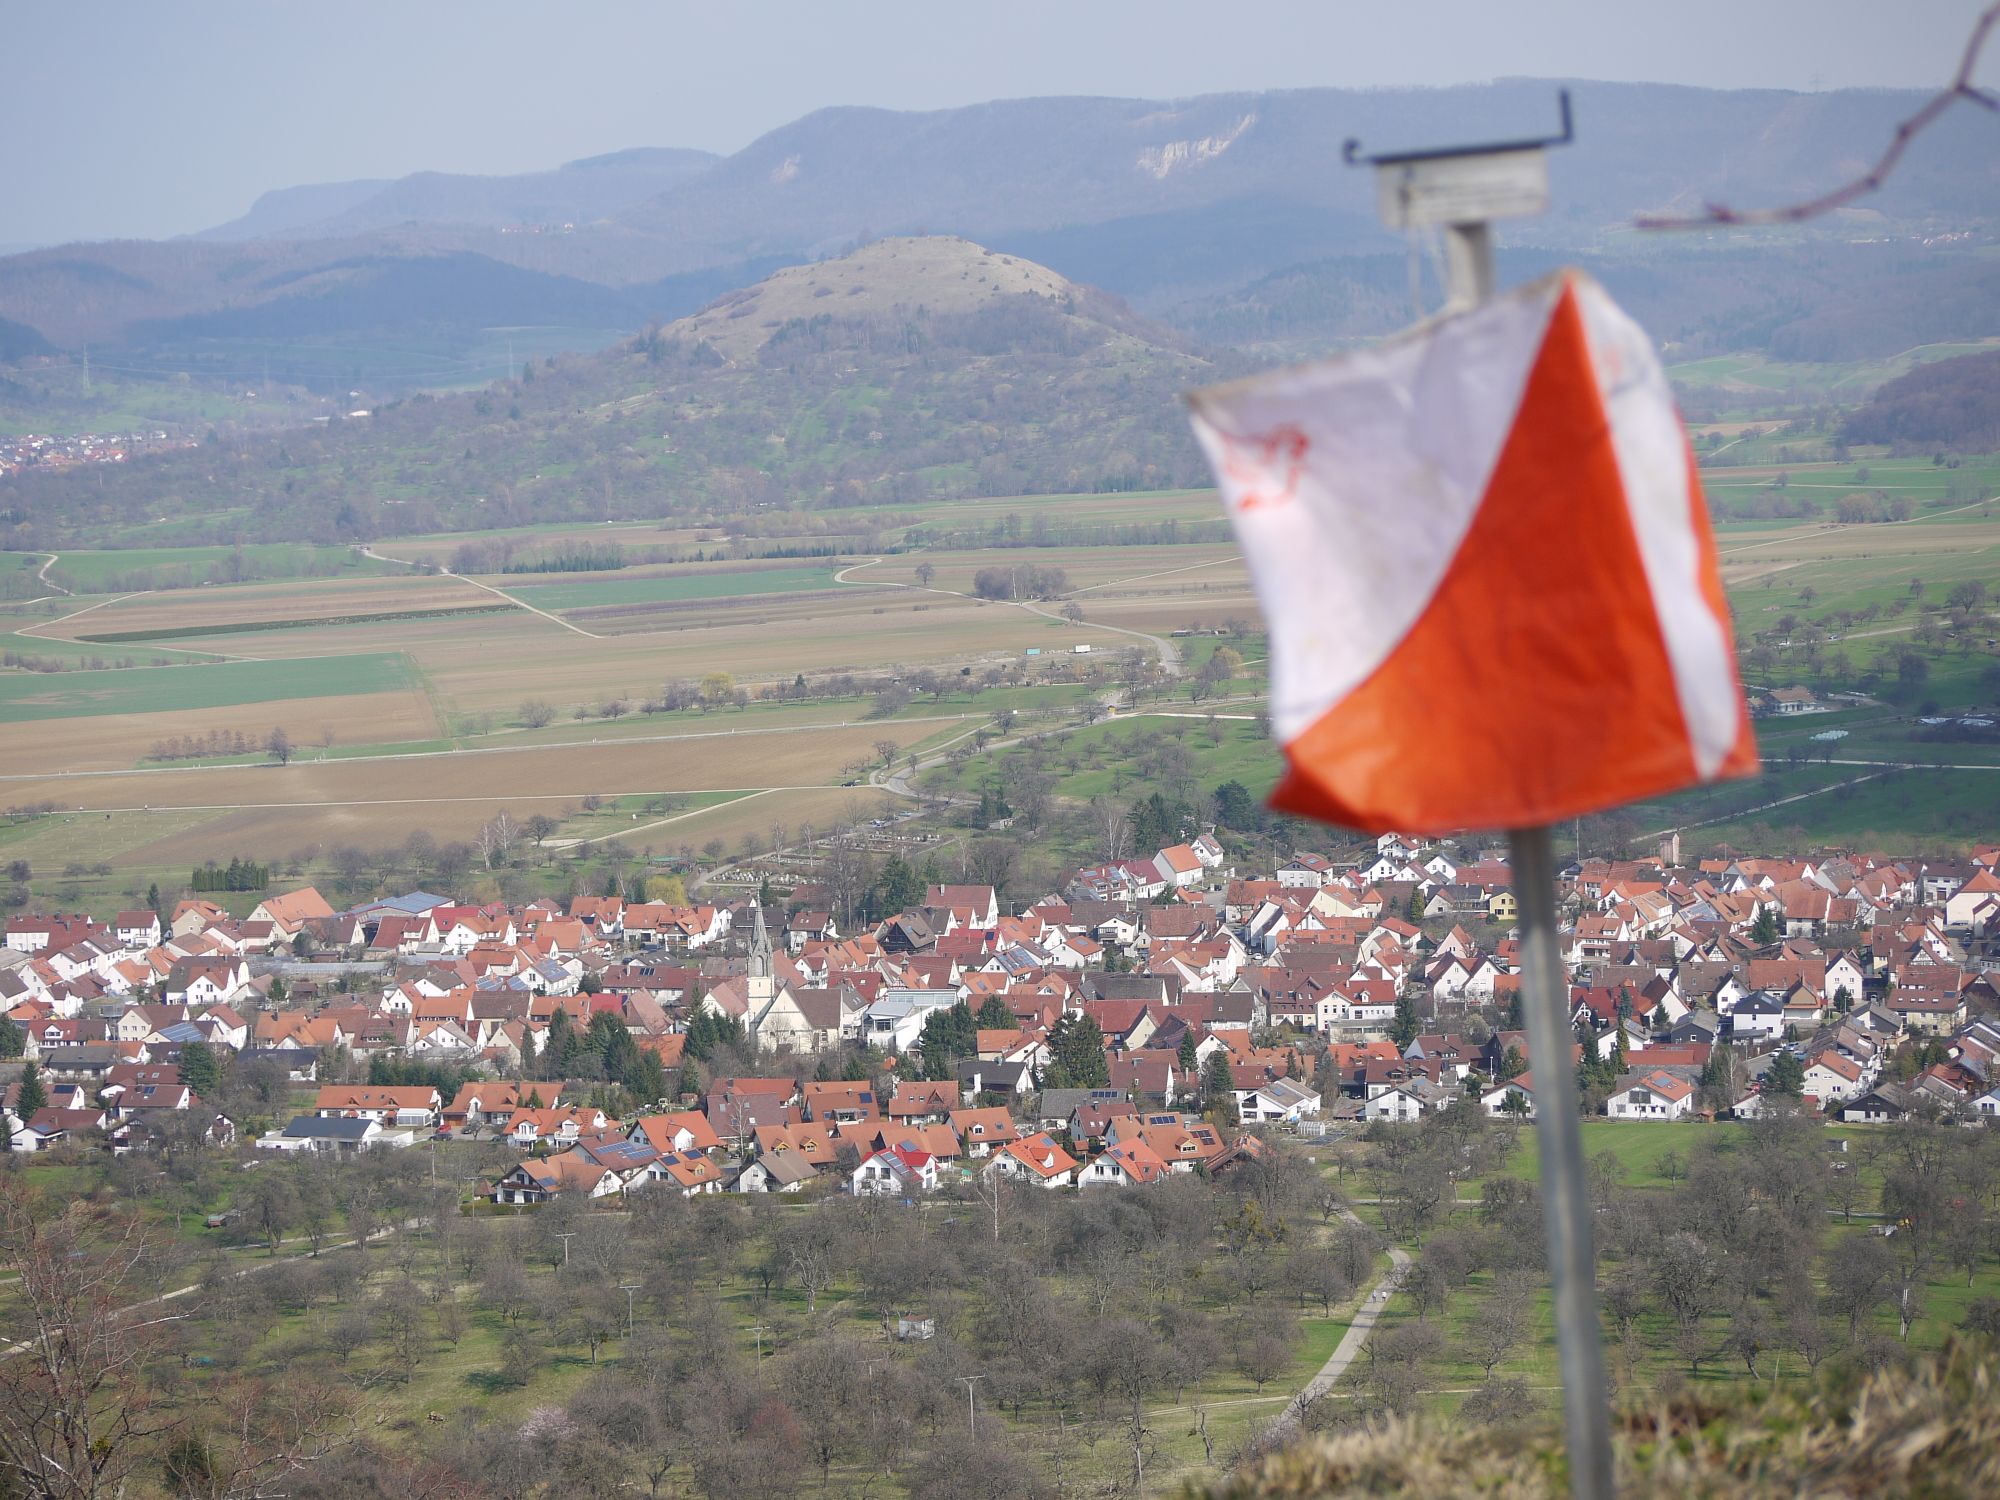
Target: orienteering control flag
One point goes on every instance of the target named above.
(1486, 566)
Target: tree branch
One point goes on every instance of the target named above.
(1960, 87)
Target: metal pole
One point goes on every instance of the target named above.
(971, 1412)
(1565, 1201)
(628, 1288)
(1545, 1005)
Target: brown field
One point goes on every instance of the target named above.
(181, 609)
(111, 742)
(490, 663)
(379, 802)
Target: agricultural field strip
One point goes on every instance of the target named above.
(736, 793)
(499, 594)
(528, 749)
(73, 614)
(679, 817)
(1834, 526)
(1170, 654)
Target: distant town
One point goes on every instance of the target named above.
(1158, 1014)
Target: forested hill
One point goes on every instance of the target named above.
(911, 368)
(1954, 403)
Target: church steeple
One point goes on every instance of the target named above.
(760, 946)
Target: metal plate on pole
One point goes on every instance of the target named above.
(1463, 189)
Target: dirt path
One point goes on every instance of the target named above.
(42, 575)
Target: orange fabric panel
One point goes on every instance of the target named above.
(1536, 686)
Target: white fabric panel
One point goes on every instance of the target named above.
(1352, 482)
(1652, 454)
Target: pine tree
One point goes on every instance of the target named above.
(1404, 1030)
(1076, 1044)
(995, 1015)
(1764, 931)
(33, 1095)
(1190, 1063)
(1786, 1076)
(1218, 1080)
(199, 1069)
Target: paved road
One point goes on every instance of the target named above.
(1351, 1342)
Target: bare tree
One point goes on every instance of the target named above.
(77, 1409)
(1960, 87)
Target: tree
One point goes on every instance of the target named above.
(33, 1094)
(199, 1069)
(537, 713)
(1404, 1030)
(1076, 1053)
(717, 688)
(995, 1015)
(1786, 1077)
(279, 745)
(13, 1040)
(77, 1406)
(1764, 931)
(1218, 1080)
(925, 573)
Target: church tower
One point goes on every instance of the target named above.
(758, 987)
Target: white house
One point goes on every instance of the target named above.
(1654, 1095)
(1038, 1160)
(1280, 1101)
(894, 1172)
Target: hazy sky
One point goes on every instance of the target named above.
(133, 117)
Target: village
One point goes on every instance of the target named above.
(1155, 1016)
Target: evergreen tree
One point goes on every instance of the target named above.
(560, 1044)
(1189, 1062)
(153, 900)
(1415, 909)
(1404, 1030)
(13, 1040)
(1218, 1080)
(1076, 1046)
(1514, 1064)
(199, 1069)
(1786, 1076)
(1516, 1021)
(278, 991)
(898, 887)
(1764, 931)
(33, 1095)
(996, 1015)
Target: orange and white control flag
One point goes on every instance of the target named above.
(1486, 566)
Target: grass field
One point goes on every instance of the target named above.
(101, 572)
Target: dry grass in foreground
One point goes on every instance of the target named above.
(1932, 1430)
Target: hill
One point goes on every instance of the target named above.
(1953, 403)
(577, 192)
(909, 369)
(1179, 205)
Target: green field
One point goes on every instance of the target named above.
(32, 696)
(111, 570)
(1754, 375)
(669, 588)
